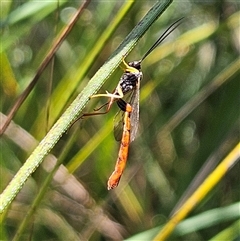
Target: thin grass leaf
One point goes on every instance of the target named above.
(43, 65)
(75, 75)
(201, 192)
(230, 233)
(204, 220)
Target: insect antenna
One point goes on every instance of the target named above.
(170, 29)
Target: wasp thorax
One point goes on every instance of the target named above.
(135, 64)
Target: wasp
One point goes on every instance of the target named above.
(128, 125)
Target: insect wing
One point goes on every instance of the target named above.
(135, 112)
(118, 125)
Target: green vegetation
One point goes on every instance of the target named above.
(189, 121)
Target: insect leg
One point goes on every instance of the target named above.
(117, 94)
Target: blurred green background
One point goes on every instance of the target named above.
(168, 151)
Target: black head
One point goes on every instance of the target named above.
(135, 64)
